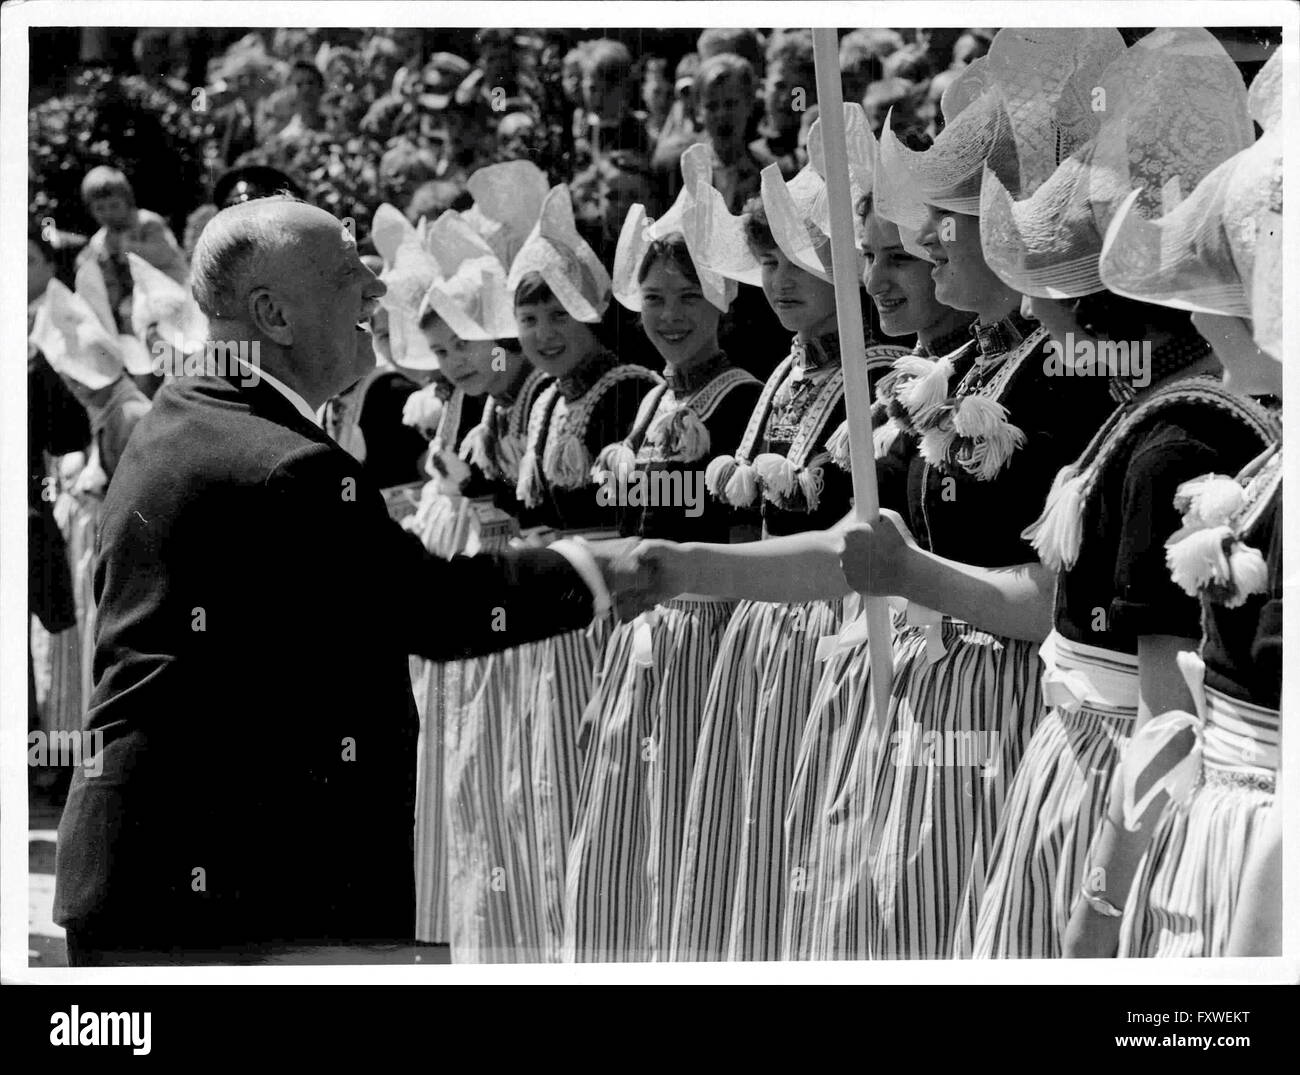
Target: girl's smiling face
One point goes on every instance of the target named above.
(553, 340)
(467, 364)
(900, 285)
(802, 302)
(962, 278)
(681, 323)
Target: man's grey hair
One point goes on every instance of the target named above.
(231, 252)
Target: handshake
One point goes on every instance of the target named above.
(640, 573)
(849, 557)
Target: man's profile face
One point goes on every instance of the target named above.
(330, 298)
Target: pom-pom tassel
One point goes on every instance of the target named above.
(474, 449)
(570, 466)
(978, 416)
(1198, 559)
(1058, 532)
(510, 450)
(682, 434)
(614, 465)
(837, 447)
(935, 446)
(811, 482)
(1210, 500)
(529, 487)
(1248, 571)
(927, 392)
(742, 486)
(776, 473)
(718, 473)
(883, 437)
(991, 452)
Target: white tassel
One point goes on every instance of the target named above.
(1249, 574)
(570, 465)
(680, 434)
(978, 416)
(935, 446)
(927, 392)
(510, 451)
(474, 448)
(1210, 500)
(614, 464)
(837, 447)
(1197, 560)
(529, 487)
(718, 473)
(883, 437)
(742, 487)
(776, 473)
(989, 454)
(811, 481)
(1057, 533)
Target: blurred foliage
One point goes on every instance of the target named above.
(150, 133)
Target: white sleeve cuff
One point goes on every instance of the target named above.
(575, 551)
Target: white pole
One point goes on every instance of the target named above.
(848, 308)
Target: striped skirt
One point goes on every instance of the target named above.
(463, 850)
(1187, 885)
(900, 841)
(1056, 803)
(733, 874)
(645, 715)
(545, 745)
(830, 740)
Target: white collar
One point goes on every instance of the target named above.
(293, 397)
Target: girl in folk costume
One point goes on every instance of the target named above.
(900, 286)
(469, 324)
(731, 883)
(974, 438)
(1218, 796)
(561, 293)
(465, 327)
(1115, 621)
(646, 709)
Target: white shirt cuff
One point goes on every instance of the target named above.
(575, 551)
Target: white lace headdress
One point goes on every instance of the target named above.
(508, 200)
(1171, 107)
(469, 291)
(798, 212)
(569, 266)
(947, 176)
(639, 231)
(409, 269)
(1218, 251)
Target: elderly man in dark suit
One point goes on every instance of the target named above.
(256, 609)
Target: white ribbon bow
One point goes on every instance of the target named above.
(643, 638)
(1181, 779)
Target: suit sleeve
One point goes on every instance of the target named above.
(440, 609)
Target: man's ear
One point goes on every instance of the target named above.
(269, 317)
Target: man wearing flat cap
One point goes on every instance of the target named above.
(258, 730)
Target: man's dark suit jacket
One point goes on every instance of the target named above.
(256, 609)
